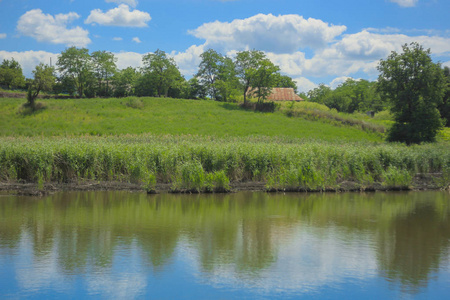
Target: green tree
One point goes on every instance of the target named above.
(263, 79)
(284, 81)
(414, 85)
(44, 79)
(227, 84)
(320, 94)
(162, 71)
(247, 62)
(76, 64)
(124, 82)
(104, 68)
(194, 89)
(11, 74)
(209, 71)
(444, 107)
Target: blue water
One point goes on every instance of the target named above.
(242, 246)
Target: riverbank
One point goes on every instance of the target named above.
(420, 182)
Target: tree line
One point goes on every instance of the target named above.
(84, 74)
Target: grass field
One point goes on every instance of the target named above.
(164, 116)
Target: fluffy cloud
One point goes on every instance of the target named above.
(117, 39)
(278, 34)
(131, 3)
(119, 16)
(52, 29)
(406, 3)
(188, 60)
(128, 59)
(304, 84)
(2, 35)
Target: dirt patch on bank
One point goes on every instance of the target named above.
(420, 182)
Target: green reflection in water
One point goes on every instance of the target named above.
(410, 231)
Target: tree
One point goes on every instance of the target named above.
(246, 64)
(444, 107)
(104, 67)
(76, 64)
(284, 81)
(320, 94)
(44, 79)
(124, 82)
(162, 70)
(263, 79)
(414, 85)
(209, 70)
(227, 84)
(11, 74)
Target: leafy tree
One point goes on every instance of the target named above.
(320, 94)
(227, 84)
(76, 64)
(263, 79)
(44, 79)
(11, 74)
(414, 85)
(444, 108)
(284, 81)
(124, 82)
(162, 70)
(209, 71)
(194, 89)
(247, 62)
(104, 67)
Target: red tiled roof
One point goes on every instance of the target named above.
(284, 94)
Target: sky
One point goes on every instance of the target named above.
(312, 41)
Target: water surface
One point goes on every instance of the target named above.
(243, 245)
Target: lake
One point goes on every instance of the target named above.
(234, 246)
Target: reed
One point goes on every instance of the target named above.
(207, 163)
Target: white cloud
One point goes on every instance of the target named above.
(2, 35)
(128, 59)
(304, 85)
(117, 39)
(278, 34)
(406, 3)
(119, 16)
(188, 60)
(52, 29)
(136, 40)
(131, 3)
(30, 59)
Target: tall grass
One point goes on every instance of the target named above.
(201, 163)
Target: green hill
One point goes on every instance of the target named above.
(161, 116)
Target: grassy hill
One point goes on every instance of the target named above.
(198, 145)
(161, 116)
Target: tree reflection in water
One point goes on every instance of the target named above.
(245, 235)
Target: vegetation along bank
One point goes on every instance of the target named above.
(202, 164)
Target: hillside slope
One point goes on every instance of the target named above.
(162, 116)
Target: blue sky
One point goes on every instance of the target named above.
(315, 41)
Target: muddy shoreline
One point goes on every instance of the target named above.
(420, 182)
